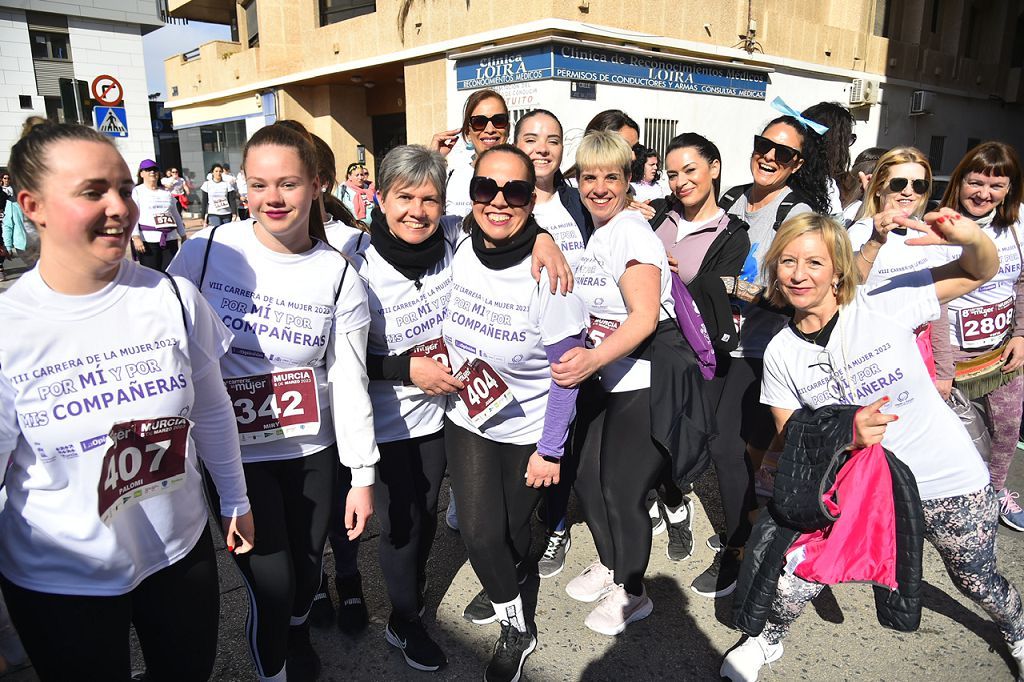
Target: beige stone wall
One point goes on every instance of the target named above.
(337, 113)
(835, 33)
(425, 94)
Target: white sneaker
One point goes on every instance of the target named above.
(1017, 651)
(593, 583)
(617, 610)
(449, 516)
(743, 663)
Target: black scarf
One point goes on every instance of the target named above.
(412, 260)
(506, 255)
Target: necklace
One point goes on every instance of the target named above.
(813, 338)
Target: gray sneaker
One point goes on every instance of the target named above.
(553, 560)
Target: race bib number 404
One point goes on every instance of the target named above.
(485, 392)
(985, 325)
(146, 457)
(270, 407)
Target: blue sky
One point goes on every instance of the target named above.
(171, 40)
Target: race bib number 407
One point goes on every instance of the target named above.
(270, 407)
(485, 392)
(146, 458)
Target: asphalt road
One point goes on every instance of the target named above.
(684, 639)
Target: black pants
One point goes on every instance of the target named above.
(346, 552)
(405, 499)
(489, 479)
(174, 611)
(619, 464)
(157, 257)
(292, 503)
(735, 392)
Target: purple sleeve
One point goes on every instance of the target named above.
(561, 403)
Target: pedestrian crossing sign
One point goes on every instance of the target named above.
(111, 121)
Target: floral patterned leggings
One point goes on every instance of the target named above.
(963, 529)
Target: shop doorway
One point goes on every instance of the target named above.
(388, 133)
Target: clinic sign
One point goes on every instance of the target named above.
(599, 65)
(529, 64)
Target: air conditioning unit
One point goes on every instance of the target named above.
(922, 102)
(863, 92)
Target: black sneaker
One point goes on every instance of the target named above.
(719, 580)
(321, 613)
(303, 664)
(352, 615)
(716, 543)
(680, 536)
(480, 611)
(409, 636)
(510, 652)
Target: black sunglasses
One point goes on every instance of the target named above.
(517, 193)
(898, 185)
(479, 122)
(783, 153)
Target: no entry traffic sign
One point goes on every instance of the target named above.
(107, 91)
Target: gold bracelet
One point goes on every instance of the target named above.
(869, 262)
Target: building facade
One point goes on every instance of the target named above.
(51, 53)
(364, 75)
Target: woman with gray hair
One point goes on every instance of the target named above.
(405, 263)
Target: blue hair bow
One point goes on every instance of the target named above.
(779, 105)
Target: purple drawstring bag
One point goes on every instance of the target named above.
(691, 324)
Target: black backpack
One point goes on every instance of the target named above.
(788, 202)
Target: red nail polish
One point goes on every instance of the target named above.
(231, 549)
(941, 219)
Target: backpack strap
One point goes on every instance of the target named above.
(206, 257)
(785, 206)
(181, 303)
(341, 282)
(732, 196)
(663, 207)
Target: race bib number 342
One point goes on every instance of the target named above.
(146, 458)
(485, 392)
(270, 407)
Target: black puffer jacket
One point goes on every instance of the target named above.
(816, 442)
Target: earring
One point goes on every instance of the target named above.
(835, 287)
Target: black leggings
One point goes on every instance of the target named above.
(735, 393)
(489, 479)
(157, 257)
(291, 506)
(405, 499)
(174, 611)
(619, 464)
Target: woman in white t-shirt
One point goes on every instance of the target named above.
(108, 393)
(156, 235)
(485, 124)
(296, 374)
(856, 346)
(986, 327)
(559, 210)
(900, 186)
(220, 198)
(505, 432)
(624, 279)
